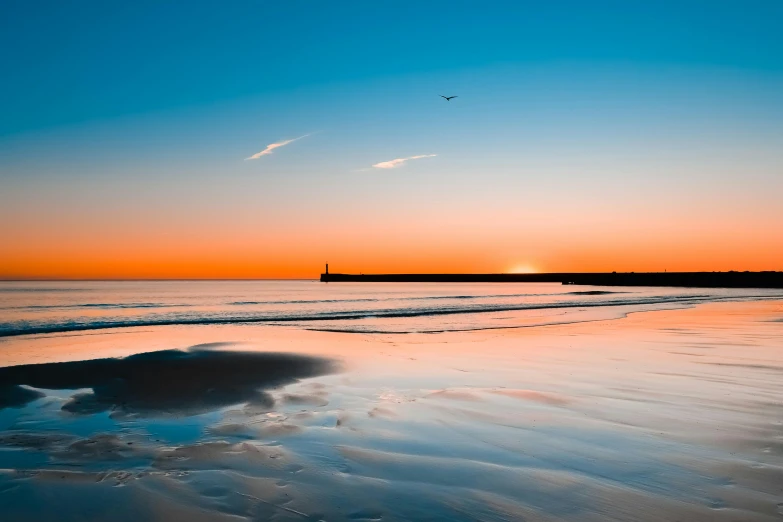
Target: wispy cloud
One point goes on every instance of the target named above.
(272, 146)
(399, 162)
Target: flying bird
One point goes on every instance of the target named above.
(447, 98)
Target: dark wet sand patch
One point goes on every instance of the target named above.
(170, 382)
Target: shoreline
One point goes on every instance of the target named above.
(674, 302)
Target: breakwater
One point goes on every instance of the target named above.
(677, 279)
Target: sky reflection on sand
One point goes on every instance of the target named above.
(668, 415)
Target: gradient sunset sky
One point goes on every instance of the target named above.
(262, 139)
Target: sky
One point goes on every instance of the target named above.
(263, 139)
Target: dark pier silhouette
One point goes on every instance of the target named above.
(678, 279)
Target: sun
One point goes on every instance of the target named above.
(523, 269)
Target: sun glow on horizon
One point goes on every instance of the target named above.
(523, 269)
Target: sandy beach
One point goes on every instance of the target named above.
(670, 414)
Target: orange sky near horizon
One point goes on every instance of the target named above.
(82, 252)
(75, 234)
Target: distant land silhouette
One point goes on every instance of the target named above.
(680, 279)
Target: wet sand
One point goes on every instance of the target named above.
(662, 415)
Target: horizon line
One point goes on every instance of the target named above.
(316, 278)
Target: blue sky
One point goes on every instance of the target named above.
(107, 108)
(72, 62)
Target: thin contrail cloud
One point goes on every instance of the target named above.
(272, 146)
(399, 162)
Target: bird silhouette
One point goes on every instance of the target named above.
(447, 98)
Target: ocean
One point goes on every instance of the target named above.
(60, 307)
